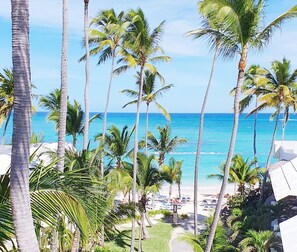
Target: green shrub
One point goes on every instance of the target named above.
(184, 216)
(155, 212)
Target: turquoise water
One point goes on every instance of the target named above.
(216, 138)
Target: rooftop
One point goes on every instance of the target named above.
(288, 232)
(283, 177)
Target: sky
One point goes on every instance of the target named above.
(188, 70)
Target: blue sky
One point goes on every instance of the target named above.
(188, 71)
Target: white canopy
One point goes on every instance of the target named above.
(44, 149)
(283, 178)
(288, 232)
(4, 163)
(285, 150)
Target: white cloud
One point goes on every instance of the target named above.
(46, 13)
(189, 69)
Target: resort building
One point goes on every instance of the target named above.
(42, 152)
(283, 177)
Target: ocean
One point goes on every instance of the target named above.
(217, 131)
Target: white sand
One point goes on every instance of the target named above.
(205, 192)
(209, 192)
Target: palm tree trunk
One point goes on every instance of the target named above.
(146, 234)
(75, 243)
(19, 174)
(54, 246)
(5, 128)
(140, 233)
(255, 135)
(74, 141)
(161, 159)
(179, 191)
(148, 219)
(146, 126)
(200, 142)
(105, 111)
(63, 106)
(170, 191)
(119, 162)
(240, 78)
(135, 165)
(86, 93)
(284, 129)
(270, 154)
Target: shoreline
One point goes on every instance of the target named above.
(206, 196)
(203, 189)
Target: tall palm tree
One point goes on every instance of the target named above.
(86, 92)
(150, 94)
(64, 84)
(141, 49)
(6, 98)
(242, 22)
(164, 143)
(242, 173)
(223, 46)
(279, 93)
(252, 88)
(149, 180)
(107, 39)
(117, 147)
(172, 172)
(19, 174)
(178, 178)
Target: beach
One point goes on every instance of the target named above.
(208, 193)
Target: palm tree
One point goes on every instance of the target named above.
(117, 143)
(139, 50)
(260, 241)
(252, 88)
(74, 121)
(64, 84)
(117, 146)
(150, 94)
(86, 92)
(241, 21)
(220, 42)
(198, 242)
(6, 98)
(242, 173)
(71, 194)
(19, 174)
(179, 177)
(164, 144)
(149, 180)
(75, 116)
(52, 101)
(172, 172)
(107, 40)
(279, 93)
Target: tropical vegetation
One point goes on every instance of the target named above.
(242, 173)
(241, 21)
(164, 143)
(83, 197)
